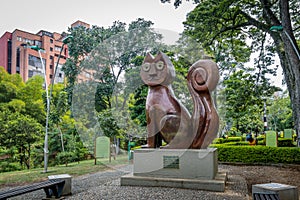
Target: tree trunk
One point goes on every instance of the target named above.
(291, 63)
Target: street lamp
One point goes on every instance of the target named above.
(65, 41)
(280, 28)
(48, 97)
(46, 151)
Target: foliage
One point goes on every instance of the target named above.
(258, 154)
(226, 140)
(65, 157)
(243, 100)
(279, 113)
(137, 106)
(238, 28)
(108, 124)
(99, 104)
(285, 142)
(21, 116)
(20, 132)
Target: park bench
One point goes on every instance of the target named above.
(51, 187)
(265, 196)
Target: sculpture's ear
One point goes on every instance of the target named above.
(162, 56)
(165, 58)
(149, 58)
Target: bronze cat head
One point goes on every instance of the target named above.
(157, 70)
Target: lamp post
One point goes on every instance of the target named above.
(280, 28)
(46, 151)
(65, 41)
(48, 97)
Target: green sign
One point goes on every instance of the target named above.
(271, 139)
(102, 147)
(288, 133)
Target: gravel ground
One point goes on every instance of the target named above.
(106, 185)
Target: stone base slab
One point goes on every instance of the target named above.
(179, 168)
(217, 184)
(176, 163)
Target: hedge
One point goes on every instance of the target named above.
(285, 142)
(225, 140)
(258, 154)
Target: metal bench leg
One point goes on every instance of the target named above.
(48, 192)
(60, 188)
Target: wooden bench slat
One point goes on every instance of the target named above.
(49, 184)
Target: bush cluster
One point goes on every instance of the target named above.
(285, 142)
(226, 140)
(258, 154)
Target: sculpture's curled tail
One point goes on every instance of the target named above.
(203, 78)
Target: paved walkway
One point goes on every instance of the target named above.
(106, 185)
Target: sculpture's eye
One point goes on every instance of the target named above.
(146, 67)
(160, 65)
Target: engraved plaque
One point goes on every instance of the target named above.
(171, 162)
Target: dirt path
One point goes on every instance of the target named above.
(258, 174)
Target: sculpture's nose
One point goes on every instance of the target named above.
(152, 71)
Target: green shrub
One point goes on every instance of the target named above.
(241, 143)
(6, 166)
(65, 157)
(258, 154)
(285, 142)
(226, 140)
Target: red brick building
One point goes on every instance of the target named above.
(16, 56)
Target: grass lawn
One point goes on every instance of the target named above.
(74, 169)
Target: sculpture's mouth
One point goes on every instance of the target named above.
(153, 78)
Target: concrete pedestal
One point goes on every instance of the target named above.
(68, 182)
(285, 192)
(192, 168)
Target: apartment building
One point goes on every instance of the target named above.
(16, 56)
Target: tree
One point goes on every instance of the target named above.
(233, 22)
(22, 132)
(106, 57)
(279, 113)
(243, 104)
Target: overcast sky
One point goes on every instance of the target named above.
(58, 15)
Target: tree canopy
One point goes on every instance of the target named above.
(243, 27)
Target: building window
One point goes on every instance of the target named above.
(9, 52)
(38, 43)
(51, 66)
(19, 39)
(51, 57)
(60, 75)
(18, 57)
(57, 48)
(28, 41)
(30, 73)
(51, 48)
(35, 62)
(51, 41)
(50, 75)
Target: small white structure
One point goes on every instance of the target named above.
(285, 192)
(68, 182)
